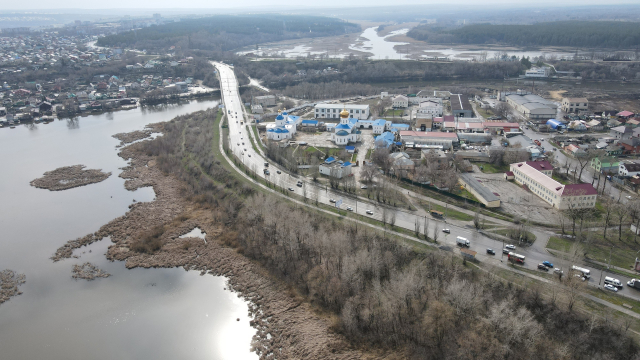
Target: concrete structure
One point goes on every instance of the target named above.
(332, 111)
(533, 106)
(460, 106)
(562, 197)
(483, 194)
(575, 105)
(629, 168)
(257, 109)
(266, 100)
(334, 168)
(400, 101)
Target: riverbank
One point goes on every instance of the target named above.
(287, 326)
(68, 177)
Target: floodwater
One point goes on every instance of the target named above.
(379, 48)
(134, 314)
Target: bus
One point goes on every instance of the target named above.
(516, 258)
(437, 214)
(586, 273)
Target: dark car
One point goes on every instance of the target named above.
(543, 267)
(491, 252)
(506, 251)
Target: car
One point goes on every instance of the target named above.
(243, 143)
(249, 155)
(332, 201)
(491, 252)
(543, 267)
(446, 231)
(245, 149)
(299, 184)
(278, 171)
(506, 251)
(240, 137)
(236, 121)
(510, 247)
(558, 271)
(628, 197)
(349, 208)
(610, 287)
(267, 172)
(547, 264)
(291, 189)
(238, 144)
(363, 187)
(369, 212)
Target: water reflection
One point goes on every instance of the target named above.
(181, 316)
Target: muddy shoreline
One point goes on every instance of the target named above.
(287, 327)
(68, 177)
(9, 282)
(88, 271)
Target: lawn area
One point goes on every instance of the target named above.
(397, 113)
(560, 180)
(466, 194)
(451, 214)
(253, 143)
(505, 232)
(484, 112)
(369, 154)
(623, 253)
(493, 169)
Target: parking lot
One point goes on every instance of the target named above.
(517, 201)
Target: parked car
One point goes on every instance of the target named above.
(558, 271)
(369, 212)
(349, 208)
(267, 172)
(290, 189)
(510, 247)
(249, 155)
(506, 251)
(610, 287)
(543, 267)
(278, 171)
(446, 231)
(547, 264)
(363, 187)
(332, 201)
(491, 252)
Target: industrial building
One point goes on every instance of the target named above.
(555, 124)
(562, 197)
(420, 139)
(332, 111)
(266, 100)
(460, 106)
(533, 107)
(482, 193)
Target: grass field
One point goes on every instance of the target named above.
(493, 169)
(623, 253)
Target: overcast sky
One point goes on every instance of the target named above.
(281, 5)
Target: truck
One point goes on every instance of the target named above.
(585, 273)
(460, 241)
(634, 283)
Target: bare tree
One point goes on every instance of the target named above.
(368, 173)
(621, 212)
(435, 232)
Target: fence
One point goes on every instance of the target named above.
(445, 193)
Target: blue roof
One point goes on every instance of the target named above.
(406, 126)
(279, 117)
(385, 139)
(343, 126)
(350, 147)
(342, 133)
(294, 118)
(330, 159)
(284, 113)
(346, 163)
(314, 122)
(379, 122)
(278, 130)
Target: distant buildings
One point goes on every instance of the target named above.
(266, 100)
(538, 72)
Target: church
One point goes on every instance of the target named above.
(284, 127)
(346, 132)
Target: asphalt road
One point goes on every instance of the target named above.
(241, 146)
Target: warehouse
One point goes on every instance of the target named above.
(533, 106)
(420, 139)
(460, 106)
(482, 193)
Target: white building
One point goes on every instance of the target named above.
(562, 197)
(429, 109)
(629, 168)
(336, 169)
(346, 132)
(332, 111)
(284, 127)
(400, 101)
(538, 72)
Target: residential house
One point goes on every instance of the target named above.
(629, 168)
(605, 164)
(575, 105)
(402, 163)
(400, 101)
(621, 132)
(630, 146)
(337, 169)
(575, 150)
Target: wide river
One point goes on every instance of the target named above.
(134, 314)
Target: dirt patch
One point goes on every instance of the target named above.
(287, 327)
(68, 177)
(88, 271)
(9, 282)
(557, 95)
(127, 138)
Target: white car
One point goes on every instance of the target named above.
(446, 231)
(332, 201)
(628, 197)
(610, 287)
(363, 187)
(369, 212)
(510, 247)
(349, 208)
(558, 271)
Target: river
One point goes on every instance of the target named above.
(134, 314)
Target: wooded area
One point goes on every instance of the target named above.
(227, 32)
(600, 34)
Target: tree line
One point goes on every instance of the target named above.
(601, 34)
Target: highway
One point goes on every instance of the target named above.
(240, 145)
